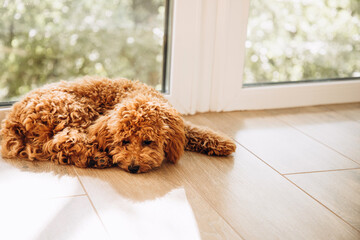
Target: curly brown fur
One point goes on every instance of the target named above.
(204, 140)
(100, 122)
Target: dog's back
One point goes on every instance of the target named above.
(48, 110)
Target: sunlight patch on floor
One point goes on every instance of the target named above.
(166, 217)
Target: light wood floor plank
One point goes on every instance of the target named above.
(61, 218)
(257, 201)
(115, 193)
(329, 127)
(35, 203)
(351, 111)
(283, 147)
(37, 180)
(339, 191)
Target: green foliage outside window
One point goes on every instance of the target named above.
(43, 41)
(291, 40)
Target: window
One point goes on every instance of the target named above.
(210, 69)
(290, 40)
(43, 41)
(214, 65)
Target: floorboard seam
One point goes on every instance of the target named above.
(211, 205)
(322, 204)
(299, 188)
(69, 196)
(92, 204)
(321, 171)
(309, 136)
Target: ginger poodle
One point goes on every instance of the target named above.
(100, 122)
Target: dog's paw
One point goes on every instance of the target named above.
(100, 160)
(222, 148)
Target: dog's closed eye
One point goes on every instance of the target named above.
(147, 142)
(125, 142)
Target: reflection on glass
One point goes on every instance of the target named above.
(292, 40)
(43, 41)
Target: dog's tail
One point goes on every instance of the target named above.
(205, 140)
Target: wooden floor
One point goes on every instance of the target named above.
(295, 175)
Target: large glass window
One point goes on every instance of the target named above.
(297, 40)
(43, 41)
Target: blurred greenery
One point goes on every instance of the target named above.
(291, 40)
(43, 41)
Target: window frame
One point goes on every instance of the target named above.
(207, 63)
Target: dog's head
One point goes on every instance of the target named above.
(140, 133)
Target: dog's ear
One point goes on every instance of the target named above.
(175, 134)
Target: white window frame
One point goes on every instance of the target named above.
(207, 61)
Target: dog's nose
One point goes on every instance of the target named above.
(133, 168)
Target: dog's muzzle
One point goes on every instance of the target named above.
(133, 168)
